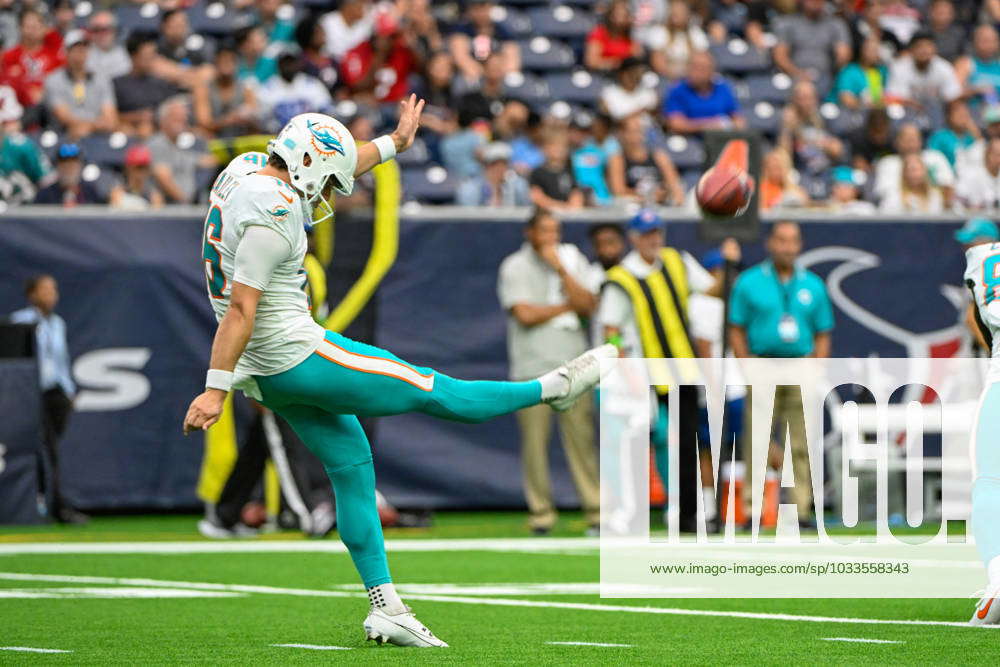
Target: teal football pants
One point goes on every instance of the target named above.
(986, 489)
(322, 398)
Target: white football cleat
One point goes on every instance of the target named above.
(582, 374)
(988, 608)
(402, 629)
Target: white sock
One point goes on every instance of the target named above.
(385, 597)
(993, 571)
(708, 501)
(554, 385)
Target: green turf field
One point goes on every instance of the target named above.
(142, 590)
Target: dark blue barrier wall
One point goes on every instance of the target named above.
(140, 328)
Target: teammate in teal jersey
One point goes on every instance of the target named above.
(268, 346)
(982, 276)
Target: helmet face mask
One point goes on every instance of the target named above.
(320, 153)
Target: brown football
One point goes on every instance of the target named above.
(724, 191)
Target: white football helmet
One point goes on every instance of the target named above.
(318, 151)
(246, 163)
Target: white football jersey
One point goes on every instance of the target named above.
(284, 332)
(982, 275)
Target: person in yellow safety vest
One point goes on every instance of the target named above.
(643, 310)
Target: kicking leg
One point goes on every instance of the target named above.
(347, 377)
(342, 447)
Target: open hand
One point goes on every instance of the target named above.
(409, 121)
(205, 410)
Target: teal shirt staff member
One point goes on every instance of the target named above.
(778, 309)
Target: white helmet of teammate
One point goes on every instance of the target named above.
(318, 151)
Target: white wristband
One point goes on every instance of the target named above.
(216, 379)
(386, 148)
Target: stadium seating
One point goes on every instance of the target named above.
(561, 22)
(429, 184)
(541, 54)
(528, 88)
(738, 57)
(577, 87)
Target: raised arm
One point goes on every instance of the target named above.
(387, 146)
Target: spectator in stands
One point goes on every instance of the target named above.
(845, 192)
(137, 192)
(979, 185)
(899, 19)
(872, 140)
(949, 36)
(861, 84)
(266, 15)
(640, 172)
(435, 88)
(499, 185)
(980, 70)
(545, 288)
(803, 132)
(913, 192)
(421, 27)
(959, 133)
(610, 42)
(812, 44)
(378, 70)
(702, 100)
(177, 156)
(522, 128)
(629, 95)
(974, 154)
(23, 166)
(778, 186)
(291, 92)
(257, 61)
(55, 382)
(487, 100)
(81, 102)
(63, 15)
(477, 37)
(311, 38)
(590, 158)
(107, 56)
(174, 45)
(226, 107)
(648, 16)
(25, 66)
(352, 23)
(140, 92)
(459, 149)
(552, 184)
(909, 141)
(70, 189)
(671, 44)
(758, 28)
(922, 78)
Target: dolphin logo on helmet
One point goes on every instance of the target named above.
(324, 135)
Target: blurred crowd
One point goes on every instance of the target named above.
(890, 105)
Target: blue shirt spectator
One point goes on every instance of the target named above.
(52, 349)
(781, 309)
(702, 101)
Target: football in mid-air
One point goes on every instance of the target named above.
(724, 191)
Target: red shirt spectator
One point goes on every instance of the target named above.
(25, 66)
(610, 42)
(380, 67)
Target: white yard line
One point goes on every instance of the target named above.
(314, 647)
(861, 640)
(500, 602)
(26, 649)
(590, 644)
(513, 544)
